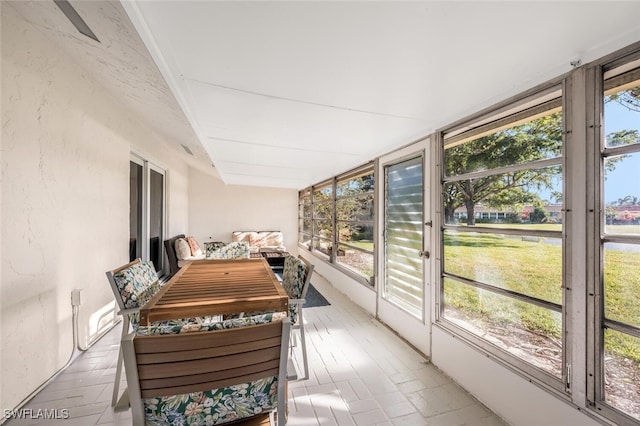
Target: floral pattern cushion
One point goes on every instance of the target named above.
(293, 277)
(137, 284)
(218, 405)
(210, 247)
(213, 407)
(207, 324)
(233, 250)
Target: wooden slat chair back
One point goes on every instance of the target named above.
(296, 278)
(208, 377)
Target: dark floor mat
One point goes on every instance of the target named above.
(314, 298)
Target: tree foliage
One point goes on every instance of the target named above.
(353, 202)
(538, 139)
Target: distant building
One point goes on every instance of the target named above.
(492, 214)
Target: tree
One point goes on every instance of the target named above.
(535, 140)
(538, 215)
(354, 203)
(629, 200)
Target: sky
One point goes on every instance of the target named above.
(625, 179)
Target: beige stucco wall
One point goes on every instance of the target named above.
(65, 150)
(216, 210)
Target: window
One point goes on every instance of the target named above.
(618, 316)
(403, 229)
(304, 218)
(147, 212)
(335, 220)
(354, 222)
(502, 263)
(323, 225)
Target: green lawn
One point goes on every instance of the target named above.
(534, 268)
(363, 244)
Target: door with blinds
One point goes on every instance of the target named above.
(402, 290)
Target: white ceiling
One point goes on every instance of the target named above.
(286, 94)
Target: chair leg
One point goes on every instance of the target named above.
(133, 383)
(303, 342)
(116, 384)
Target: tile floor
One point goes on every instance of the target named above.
(361, 374)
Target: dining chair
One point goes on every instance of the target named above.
(133, 285)
(296, 277)
(214, 376)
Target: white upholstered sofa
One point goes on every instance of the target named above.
(260, 240)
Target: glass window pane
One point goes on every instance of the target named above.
(622, 194)
(529, 198)
(528, 265)
(404, 283)
(356, 260)
(305, 240)
(355, 208)
(135, 211)
(322, 245)
(322, 193)
(621, 284)
(622, 372)
(323, 210)
(156, 221)
(358, 235)
(534, 140)
(622, 115)
(323, 228)
(527, 331)
(355, 185)
(304, 225)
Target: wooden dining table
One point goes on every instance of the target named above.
(217, 287)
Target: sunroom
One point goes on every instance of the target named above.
(463, 176)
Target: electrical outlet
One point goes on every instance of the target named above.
(76, 297)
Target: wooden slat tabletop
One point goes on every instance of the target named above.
(215, 287)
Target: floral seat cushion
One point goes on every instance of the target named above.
(217, 405)
(208, 324)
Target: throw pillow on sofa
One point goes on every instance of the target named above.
(183, 250)
(194, 246)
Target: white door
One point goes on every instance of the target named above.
(403, 292)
